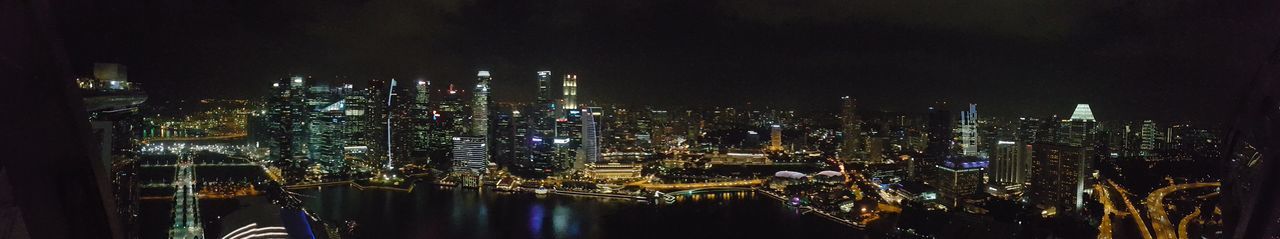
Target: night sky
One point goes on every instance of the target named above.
(1163, 59)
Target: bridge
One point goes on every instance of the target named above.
(686, 186)
(186, 205)
(710, 190)
(164, 165)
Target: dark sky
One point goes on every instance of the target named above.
(1163, 59)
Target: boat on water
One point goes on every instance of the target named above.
(541, 191)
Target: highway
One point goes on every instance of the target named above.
(1182, 227)
(1160, 223)
(1137, 216)
(1108, 209)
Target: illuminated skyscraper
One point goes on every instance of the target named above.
(852, 147)
(1008, 166)
(1147, 138)
(959, 177)
(1079, 130)
(969, 131)
(469, 154)
(545, 100)
(590, 136)
(1058, 175)
(420, 112)
(480, 105)
(775, 138)
(287, 123)
(570, 92)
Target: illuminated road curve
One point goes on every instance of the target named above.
(1137, 216)
(1160, 223)
(1108, 209)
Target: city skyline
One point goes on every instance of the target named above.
(919, 119)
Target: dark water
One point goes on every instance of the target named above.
(431, 212)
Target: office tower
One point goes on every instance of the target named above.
(570, 92)
(420, 113)
(389, 125)
(938, 145)
(287, 116)
(1147, 137)
(449, 117)
(1058, 175)
(480, 105)
(356, 104)
(876, 149)
(852, 146)
(590, 136)
(503, 135)
(969, 131)
(469, 153)
(1008, 166)
(568, 138)
(958, 177)
(327, 137)
(1079, 129)
(545, 101)
(775, 138)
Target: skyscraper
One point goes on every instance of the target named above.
(545, 101)
(469, 154)
(1079, 130)
(1058, 175)
(480, 105)
(420, 112)
(852, 147)
(959, 177)
(940, 139)
(969, 131)
(570, 92)
(1008, 166)
(590, 136)
(287, 123)
(775, 138)
(1147, 138)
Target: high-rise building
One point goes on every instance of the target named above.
(469, 154)
(1147, 138)
(852, 146)
(327, 137)
(1058, 175)
(940, 139)
(545, 101)
(287, 122)
(570, 92)
(480, 105)
(969, 131)
(775, 138)
(1008, 164)
(420, 112)
(959, 177)
(450, 118)
(388, 124)
(1079, 130)
(590, 136)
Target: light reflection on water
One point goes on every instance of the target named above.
(432, 212)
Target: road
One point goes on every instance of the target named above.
(1160, 223)
(1137, 216)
